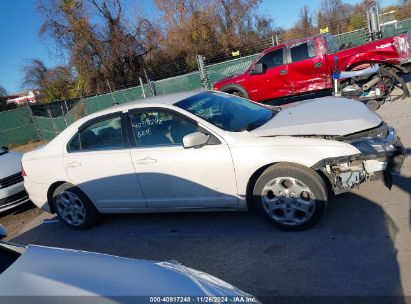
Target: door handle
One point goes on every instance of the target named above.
(73, 164)
(283, 72)
(146, 161)
(318, 64)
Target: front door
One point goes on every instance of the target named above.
(273, 83)
(172, 176)
(98, 162)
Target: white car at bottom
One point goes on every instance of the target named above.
(47, 273)
(203, 151)
(12, 193)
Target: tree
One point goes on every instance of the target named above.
(305, 21)
(3, 91)
(100, 42)
(335, 15)
(210, 28)
(4, 106)
(54, 84)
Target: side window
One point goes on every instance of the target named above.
(160, 128)
(303, 51)
(272, 59)
(102, 135)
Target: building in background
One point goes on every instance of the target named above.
(22, 98)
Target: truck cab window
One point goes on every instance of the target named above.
(272, 59)
(302, 51)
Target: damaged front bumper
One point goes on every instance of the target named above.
(347, 172)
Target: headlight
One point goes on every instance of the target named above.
(391, 136)
(376, 144)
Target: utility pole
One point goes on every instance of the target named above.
(374, 21)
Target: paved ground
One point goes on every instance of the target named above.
(362, 247)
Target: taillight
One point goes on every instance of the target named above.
(22, 171)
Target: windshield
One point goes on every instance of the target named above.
(226, 111)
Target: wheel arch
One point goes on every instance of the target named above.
(50, 192)
(232, 87)
(254, 177)
(53, 188)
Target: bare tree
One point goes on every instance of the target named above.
(54, 84)
(334, 14)
(101, 44)
(3, 91)
(4, 105)
(34, 74)
(305, 21)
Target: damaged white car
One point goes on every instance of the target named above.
(203, 151)
(44, 273)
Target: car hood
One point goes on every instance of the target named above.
(321, 116)
(10, 163)
(45, 271)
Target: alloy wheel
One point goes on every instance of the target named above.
(288, 201)
(70, 208)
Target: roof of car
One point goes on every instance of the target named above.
(168, 99)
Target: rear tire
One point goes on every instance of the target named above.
(290, 196)
(74, 208)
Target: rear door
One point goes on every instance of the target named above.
(307, 70)
(98, 162)
(273, 83)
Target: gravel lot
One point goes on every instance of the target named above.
(361, 248)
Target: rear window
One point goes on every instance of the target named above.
(303, 51)
(105, 134)
(331, 46)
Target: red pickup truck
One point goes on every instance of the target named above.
(307, 65)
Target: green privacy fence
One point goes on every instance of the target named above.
(187, 82)
(221, 70)
(17, 127)
(50, 127)
(20, 126)
(353, 38)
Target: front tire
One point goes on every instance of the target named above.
(74, 208)
(291, 197)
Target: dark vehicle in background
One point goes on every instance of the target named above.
(307, 65)
(12, 191)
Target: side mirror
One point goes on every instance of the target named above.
(3, 232)
(257, 69)
(5, 148)
(196, 139)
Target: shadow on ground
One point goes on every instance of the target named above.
(351, 252)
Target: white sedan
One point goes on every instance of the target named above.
(202, 151)
(47, 273)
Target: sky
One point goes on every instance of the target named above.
(20, 23)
